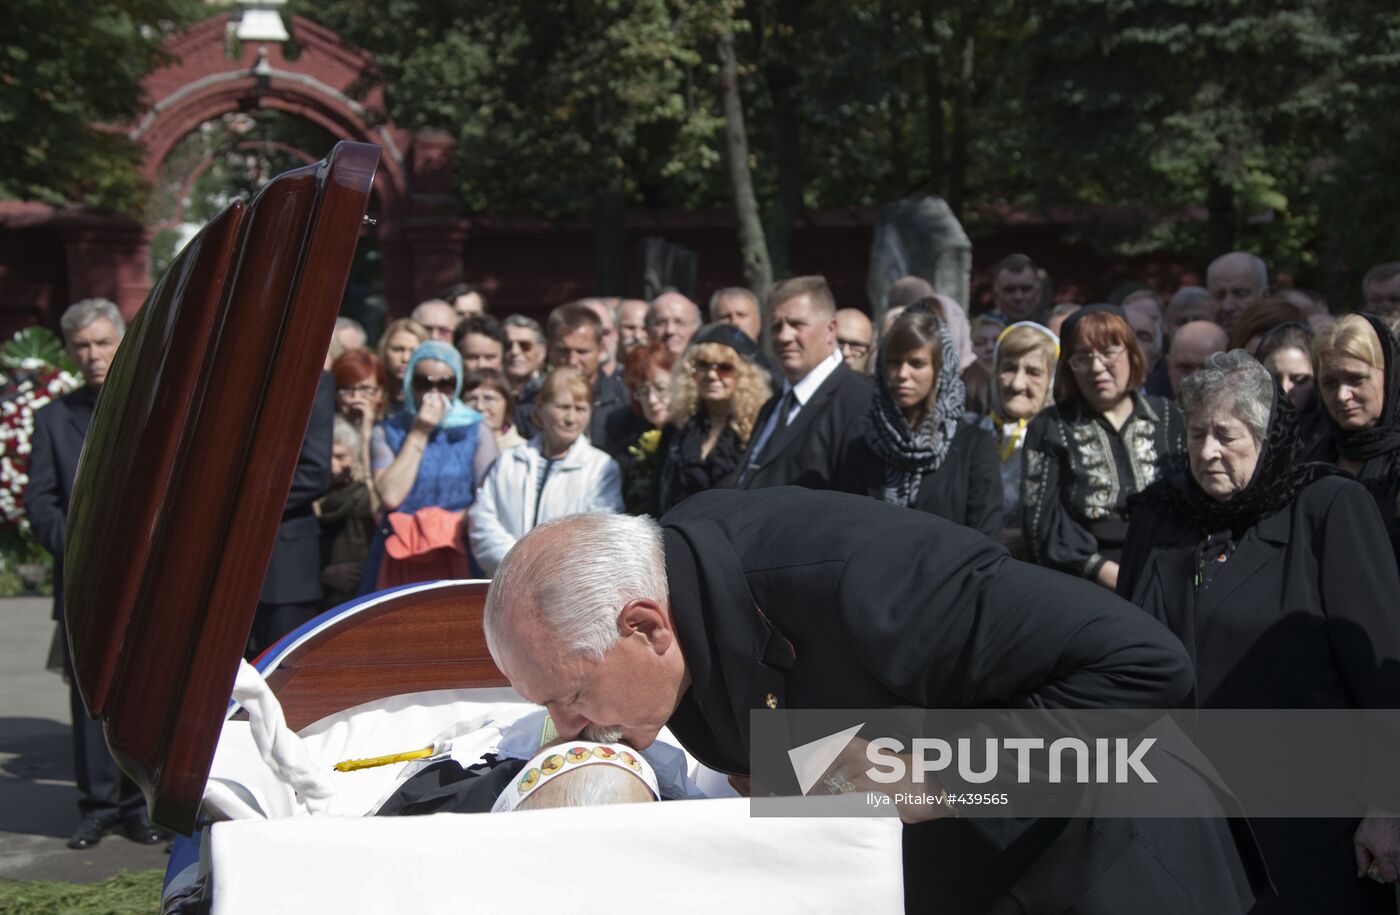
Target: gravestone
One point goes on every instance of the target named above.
(918, 236)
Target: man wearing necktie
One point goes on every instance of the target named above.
(804, 428)
(107, 799)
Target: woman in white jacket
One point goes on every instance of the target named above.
(554, 474)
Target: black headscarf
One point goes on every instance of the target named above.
(1377, 448)
(908, 453)
(1277, 480)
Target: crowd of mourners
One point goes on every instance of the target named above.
(1069, 432)
(1225, 457)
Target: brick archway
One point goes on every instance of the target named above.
(421, 235)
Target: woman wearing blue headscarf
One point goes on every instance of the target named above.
(428, 459)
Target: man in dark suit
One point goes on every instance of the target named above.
(803, 430)
(793, 599)
(92, 329)
(291, 592)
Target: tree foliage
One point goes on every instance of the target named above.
(553, 102)
(1266, 124)
(70, 72)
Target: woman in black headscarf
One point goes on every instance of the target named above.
(918, 449)
(1275, 575)
(1358, 380)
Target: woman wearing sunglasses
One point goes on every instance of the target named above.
(919, 450)
(715, 399)
(428, 458)
(1101, 443)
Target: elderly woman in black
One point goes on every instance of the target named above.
(1358, 381)
(918, 449)
(1100, 443)
(1276, 577)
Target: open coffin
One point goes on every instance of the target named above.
(188, 462)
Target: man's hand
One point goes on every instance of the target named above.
(849, 772)
(1108, 575)
(1377, 845)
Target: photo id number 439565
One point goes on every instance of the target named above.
(880, 799)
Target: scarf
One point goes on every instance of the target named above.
(960, 328)
(459, 414)
(1378, 448)
(1012, 432)
(1277, 480)
(908, 453)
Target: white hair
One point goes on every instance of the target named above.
(576, 593)
(81, 314)
(735, 291)
(1256, 264)
(695, 317)
(343, 432)
(589, 786)
(344, 323)
(1235, 381)
(417, 313)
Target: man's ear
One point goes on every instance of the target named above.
(647, 619)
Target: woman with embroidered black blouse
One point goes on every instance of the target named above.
(716, 393)
(919, 450)
(1276, 576)
(1100, 443)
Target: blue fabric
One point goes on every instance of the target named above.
(446, 474)
(460, 414)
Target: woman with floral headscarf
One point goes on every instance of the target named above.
(428, 459)
(918, 450)
(1024, 362)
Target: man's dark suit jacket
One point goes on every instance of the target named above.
(828, 600)
(808, 451)
(294, 571)
(59, 430)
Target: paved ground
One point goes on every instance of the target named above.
(38, 801)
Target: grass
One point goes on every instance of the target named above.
(125, 894)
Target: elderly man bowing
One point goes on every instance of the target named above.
(798, 599)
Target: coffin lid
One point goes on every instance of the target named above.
(188, 463)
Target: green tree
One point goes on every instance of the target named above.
(70, 74)
(559, 107)
(1174, 103)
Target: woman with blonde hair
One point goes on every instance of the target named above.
(716, 394)
(1024, 364)
(1358, 381)
(919, 450)
(396, 347)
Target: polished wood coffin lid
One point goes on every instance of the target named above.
(187, 465)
